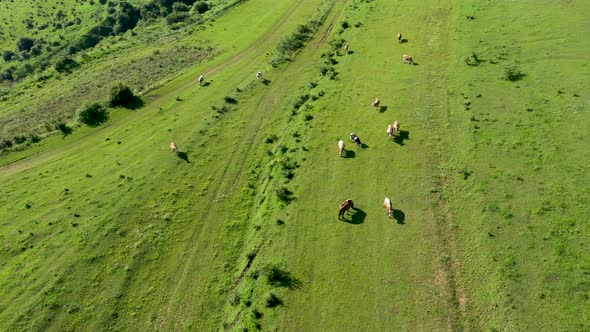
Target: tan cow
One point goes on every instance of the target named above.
(174, 147)
(345, 48)
(388, 206)
(399, 38)
(395, 128)
(341, 148)
(408, 59)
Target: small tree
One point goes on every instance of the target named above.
(201, 6)
(24, 44)
(121, 95)
(93, 115)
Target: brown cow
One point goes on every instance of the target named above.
(408, 59)
(345, 207)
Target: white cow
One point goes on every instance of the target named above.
(258, 75)
(341, 148)
(201, 80)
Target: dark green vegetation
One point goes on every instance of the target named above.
(104, 228)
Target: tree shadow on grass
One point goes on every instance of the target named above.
(382, 109)
(357, 217)
(134, 104)
(400, 216)
(401, 137)
(183, 156)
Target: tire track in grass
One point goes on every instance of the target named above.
(259, 120)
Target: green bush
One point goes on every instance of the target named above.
(512, 74)
(201, 7)
(24, 44)
(93, 115)
(121, 95)
(64, 128)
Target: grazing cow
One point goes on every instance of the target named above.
(345, 48)
(387, 205)
(376, 103)
(395, 128)
(399, 38)
(408, 59)
(174, 147)
(345, 207)
(258, 75)
(341, 148)
(201, 80)
(354, 138)
(390, 131)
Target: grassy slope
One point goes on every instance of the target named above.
(159, 242)
(118, 234)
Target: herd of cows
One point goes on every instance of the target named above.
(392, 131)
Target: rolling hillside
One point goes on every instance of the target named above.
(106, 229)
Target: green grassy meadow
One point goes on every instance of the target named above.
(106, 229)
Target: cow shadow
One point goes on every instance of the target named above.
(205, 84)
(382, 109)
(357, 217)
(349, 154)
(403, 41)
(364, 146)
(266, 82)
(401, 137)
(183, 156)
(399, 216)
(350, 52)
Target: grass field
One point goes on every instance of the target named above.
(107, 229)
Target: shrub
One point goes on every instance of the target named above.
(35, 138)
(201, 7)
(345, 25)
(230, 100)
(273, 301)
(64, 128)
(285, 195)
(177, 17)
(7, 56)
(473, 60)
(24, 44)
(512, 74)
(93, 115)
(5, 144)
(180, 7)
(121, 95)
(66, 64)
(20, 139)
